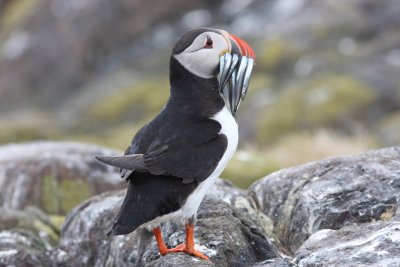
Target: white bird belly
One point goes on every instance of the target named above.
(229, 128)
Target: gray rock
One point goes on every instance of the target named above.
(371, 244)
(278, 262)
(85, 230)
(23, 248)
(330, 194)
(53, 176)
(227, 231)
(31, 218)
(340, 211)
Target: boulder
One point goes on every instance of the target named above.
(227, 230)
(370, 244)
(33, 219)
(340, 211)
(23, 248)
(53, 176)
(330, 194)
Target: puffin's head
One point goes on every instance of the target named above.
(210, 53)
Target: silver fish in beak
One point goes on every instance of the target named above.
(235, 70)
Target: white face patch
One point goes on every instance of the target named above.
(200, 60)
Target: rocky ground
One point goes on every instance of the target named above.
(340, 211)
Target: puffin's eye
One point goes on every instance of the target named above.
(209, 43)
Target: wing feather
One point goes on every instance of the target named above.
(129, 162)
(190, 149)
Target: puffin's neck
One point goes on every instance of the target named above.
(193, 95)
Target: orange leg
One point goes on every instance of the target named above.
(187, 248)
(160, 242)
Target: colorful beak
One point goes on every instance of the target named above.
(236, 67)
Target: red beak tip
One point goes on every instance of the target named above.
(245, 49)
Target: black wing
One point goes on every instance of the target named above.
(189, 150)
(131, 161)
(191, 163)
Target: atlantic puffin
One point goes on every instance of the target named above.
(174, 159)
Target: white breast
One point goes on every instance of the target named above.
(229, 128)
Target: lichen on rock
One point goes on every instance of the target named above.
(53, 176)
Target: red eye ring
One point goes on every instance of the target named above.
(209, 43)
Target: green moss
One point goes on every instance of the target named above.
(20, 133)
(59, 197)
(57, 221)
(143, 100)
(42, 227)
(49, 196)
(27, 127)
(318, 102)
(245, 168)
(72, 192)
(280, 118)
(332, 97)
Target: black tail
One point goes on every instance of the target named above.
(148, 197)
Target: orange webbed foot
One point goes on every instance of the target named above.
(178, 248)
(186, 248)
(190, 251)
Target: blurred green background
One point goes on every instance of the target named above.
(327, 79)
